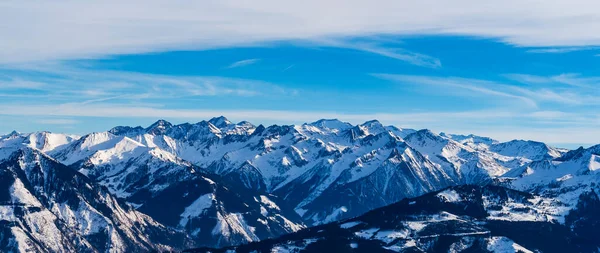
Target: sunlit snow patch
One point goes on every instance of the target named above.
(196, 208)
(449, 196)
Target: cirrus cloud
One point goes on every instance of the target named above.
(39, 31)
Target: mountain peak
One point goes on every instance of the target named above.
(426, 133)
(12, 134)
(126, 130)
(159, 127)
(161, 122)
(220, 121)
(373, 122)
(470, 138)
(331, 124)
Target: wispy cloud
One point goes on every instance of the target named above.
(570, 79)
(288, 67)
(82, 29)
(393, 52)
(64, 83)
(481, 87)
(242, 63)
(569, 89)
(57, 121)
(17, 83)
(560, 50)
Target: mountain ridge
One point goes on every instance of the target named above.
(288, 177)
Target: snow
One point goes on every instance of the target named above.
(233, 223)
(594, 163)
(292, 248)
(366, 234)
(85, 218)
(208, 180)
(285, 161)
(43, 141)
(449, 196)
(565, 177)
(416, 225)
(291, 226)
(328, 126)
(21, 241)
(266, 201)
(7, 213)
(499, 244)
(196, 208)
(351, 224)
(401, 247)
(20, 195)
(527, 149)
(335, 214)
(536, 209)
(389, 236)
(264, 222)
(44, 230)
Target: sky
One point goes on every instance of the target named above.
(508, 70)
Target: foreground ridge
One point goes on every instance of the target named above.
(458, 219)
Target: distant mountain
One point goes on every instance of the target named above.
(229, 183)
(457, 219)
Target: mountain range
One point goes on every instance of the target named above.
(320, 185)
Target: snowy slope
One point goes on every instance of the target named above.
(48, 207)
(217, 215)
(139, 169)
(43, 141)
(565, 179)
(470, 165)
(531, 150)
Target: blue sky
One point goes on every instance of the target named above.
(461, 70)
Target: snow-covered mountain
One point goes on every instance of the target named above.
(43, 141)
(566, 179)
(307, 164)
(229, 183)
(213, 211)
(48, 207)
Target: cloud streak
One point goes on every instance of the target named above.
(560, 50)
(565, 89)
(64, 83)
(385, 51)
(40, 31)
(242, 63)
(481, 87)
(570, 79)
(57, 121)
